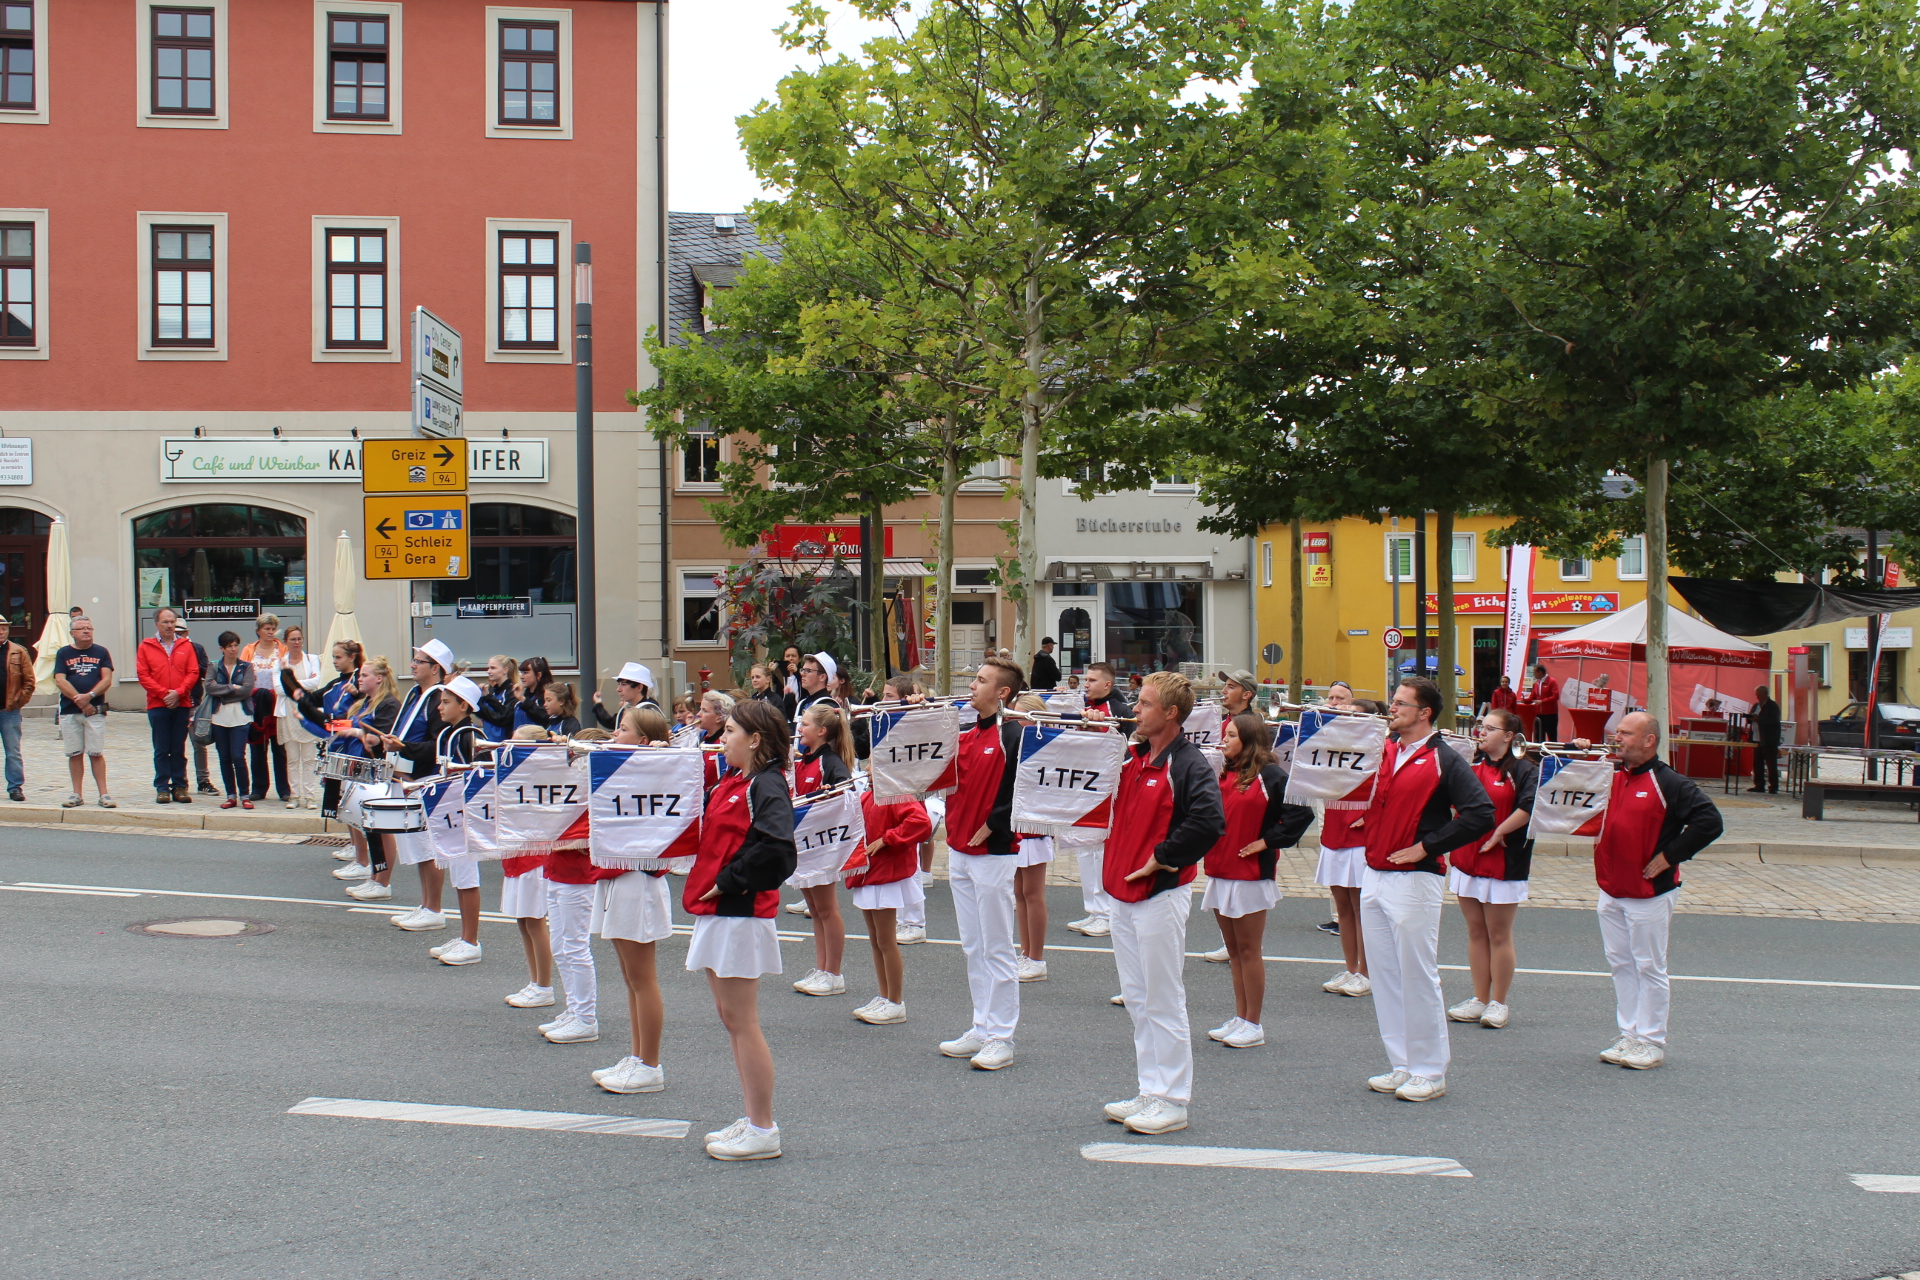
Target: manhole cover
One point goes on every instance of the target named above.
(200, 927)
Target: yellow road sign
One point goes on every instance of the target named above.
(413, 466)
(417, 537)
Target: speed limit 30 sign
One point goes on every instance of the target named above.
(1391, 637)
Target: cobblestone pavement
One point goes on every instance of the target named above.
(129, 766)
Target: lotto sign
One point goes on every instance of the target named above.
(1571, 797)
(542, 796)
(914, 752)
(1065, 779)
(1202, 727)
(645, 807)
(826, 832)
(1333, 755)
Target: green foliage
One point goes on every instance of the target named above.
(766, 610)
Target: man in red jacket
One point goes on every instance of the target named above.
(168, 671)
(1655, 820)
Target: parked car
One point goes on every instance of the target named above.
(1898, 730)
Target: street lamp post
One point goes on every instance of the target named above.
(583, 592)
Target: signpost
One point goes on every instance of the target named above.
(435, 413)
(417, 537)
(438, 385)
(413, 466)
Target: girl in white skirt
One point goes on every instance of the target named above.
(1030, 861)
(1343, 859)
(1240, 867)
(826, 744)
(633, 911)
(523, 891)
(889, 882)
(1490, 876)
(746, 854)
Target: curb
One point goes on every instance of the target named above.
(1779, 854)
(219, 820)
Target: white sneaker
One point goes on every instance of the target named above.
(1358, 984)
(557, 1022)
(574, 1029)
(419, 920)
(1643, 1056)
(353, 870)
(343, 854)
(459, 951)
(908, 934)
(1248, 1035)
(1225, 1029)
(995, 1054)
(1080, 925)
(531, 997)
(615, 1069)
(1120, 1112)
(1421, 1089)
(964, 1046)
(1096, 927)
(1616, 1053)
(821, 983)
(1336, 985)
(747, 1145)
(732, 1131)
(1218, 957)
(1119, 1000)
(801, 984)
(870, 1005)
(633, 1076)
(370, 891)
(1467, 1010)
(293, 804)
(800, 908)
(1158, 1116)
(1032, 970)
(882, 1013)
(1390, 1082)
(1496, 1015)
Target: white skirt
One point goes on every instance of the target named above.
(411, 847)
(636, 906)
(524, 897)
(1340, 866)
(1236, 898)
(894, 895)
(1485, 888)
(734, 946)
(462, 869)
(1034, 851)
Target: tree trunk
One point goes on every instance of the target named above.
(1449, 634)
(1297, 632)
(1034, 322)
(943, 584)
(1658, 695)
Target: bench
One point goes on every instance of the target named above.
(1813, 800)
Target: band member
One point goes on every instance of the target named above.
(826, 746)
(1490, 876)
(1166, 815)
(454, 745)
(746, 854)
(1656, 819)
(419, 725)
(572, 889)
(894, 833)
(1030, 885)
(1426, 800)
(1238, 689)
(634, 687)
(1240, 867)
(1089, 850)
(369, 716)
(523, 898)
(980, 866)
(1342, 864)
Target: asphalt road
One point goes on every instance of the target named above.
(147, 1083)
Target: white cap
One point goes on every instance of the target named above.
(468, 691)
(634, 673)
(438, 651)
(827, 664)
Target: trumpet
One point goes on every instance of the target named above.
(898, 704)
(1070, 722)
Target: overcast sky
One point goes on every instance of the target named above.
(723, 60)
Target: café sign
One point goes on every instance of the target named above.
(257, 460)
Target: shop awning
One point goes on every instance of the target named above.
(892, 568)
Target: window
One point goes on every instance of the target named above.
(522, 554)
(357, 66)
(1399, 557)
(530, 73)
(183, 287)
(1576, 570)
(356, 289)
(17, 71)
(242, 557)
(700, 459)
(1817, 664)
(529, 291)
(1266, 564)
(1175, 482)
(1633, 557)
(16, 285)
(700, 619)
(1465, 563)
(973, 579)
(985, 475)
(1154, 626)
(183, 62)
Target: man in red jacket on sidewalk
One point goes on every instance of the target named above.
(168, 671)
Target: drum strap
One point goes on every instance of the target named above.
(377, 850)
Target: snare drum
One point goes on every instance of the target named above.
(394, 814)
(347, 768)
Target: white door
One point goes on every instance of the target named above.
(967, 626)
(1072, 627)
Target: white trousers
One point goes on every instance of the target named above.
(303, 763)
(570, 921)
(1400, 923)
(982, 887)
(1094, 900)
(1635, 931)
(1150, 946)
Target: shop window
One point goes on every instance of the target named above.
(1154, 626)
(220, 563)
(23, 571)
(520, 598)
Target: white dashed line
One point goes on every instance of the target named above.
(1898, 1183)
(490, 1117)
(1255, 1158)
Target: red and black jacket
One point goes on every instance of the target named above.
(900, 826)
(714, 763)
(818, 769)
(1168, 810)
(1260, 812)
(1433, 800)
(1509, 788)
(1113, 705)
(1651, 810)
(983, 796)
(746, 847)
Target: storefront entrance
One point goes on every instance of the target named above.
(23, 571)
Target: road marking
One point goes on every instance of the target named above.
(89, 893)
(487, 917)
(1255, 1158)
(490, 1117)
(1896, 1182)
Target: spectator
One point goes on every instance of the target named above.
(299, 673)
(169, 671)
(1546, 706)
(83, 672)
(761, 678)
(231, 686)
(1046, 672)
(201, 775)
(1504, 698)
(1766, 742)
(19, 688)
(634, 685)
(266, 645)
